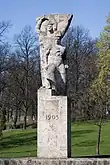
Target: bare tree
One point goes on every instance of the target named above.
(81, 57)
(4, 52)
(27, 50)
(4, 26)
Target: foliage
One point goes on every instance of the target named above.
(100, 90)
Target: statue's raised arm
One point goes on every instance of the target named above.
(63, 22)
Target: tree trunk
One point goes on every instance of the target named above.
(0, 124)
(1, 134)
(99, 137)
(15, 118)
(8, 116)
(25, 121)
(3, 120)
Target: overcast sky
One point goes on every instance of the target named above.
(91, 14)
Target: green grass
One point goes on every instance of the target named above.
(22, 143)
(84, 139)
(18, 143)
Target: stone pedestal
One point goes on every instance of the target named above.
(52, 140)
(72, 161)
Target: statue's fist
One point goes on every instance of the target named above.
(66, 66)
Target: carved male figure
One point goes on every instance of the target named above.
(51, 30)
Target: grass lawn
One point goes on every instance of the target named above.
(22, 143)
(84, 139)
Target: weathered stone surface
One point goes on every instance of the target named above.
(71, 161)
(51, 29)
(52, 125)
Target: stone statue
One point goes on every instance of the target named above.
(51, 29)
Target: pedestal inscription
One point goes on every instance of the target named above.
(52, 125)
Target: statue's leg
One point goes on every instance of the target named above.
(51, 76)
(43, 77)
(45, 83)
(62, 72)
(62, 85)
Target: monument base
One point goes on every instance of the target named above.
(52, 140)
(71, 161)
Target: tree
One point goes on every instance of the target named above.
(4, 50)
(27, 51)
(81, 56)
(4, 26)
(100, 90)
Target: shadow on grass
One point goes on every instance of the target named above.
(18, 139)
(17, 152)
(80, 133)
(86, 143)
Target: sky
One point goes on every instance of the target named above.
(90, 14)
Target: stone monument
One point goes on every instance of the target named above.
(53, 140)
(53, 146)
(53, 117)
